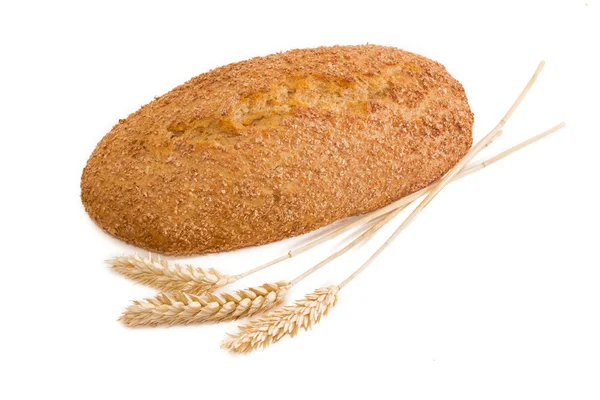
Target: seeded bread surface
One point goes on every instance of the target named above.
(273, 147)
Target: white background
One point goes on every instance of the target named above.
(493, 292)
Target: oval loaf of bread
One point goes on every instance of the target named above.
(276, 146)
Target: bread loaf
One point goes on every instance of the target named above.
(276, 146)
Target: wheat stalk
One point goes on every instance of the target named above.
(166, 277)
(270, 328)
(184, 308)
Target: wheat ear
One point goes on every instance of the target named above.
(270, 328)
(166, 277)
(184, 308)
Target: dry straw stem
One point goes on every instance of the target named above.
(270, 328)
(183, 308)
(166, 277)
(364, 236)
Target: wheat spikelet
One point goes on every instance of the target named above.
(184, 308)
(270, 328)
(167, 277)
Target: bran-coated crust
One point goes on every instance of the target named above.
(276, 146)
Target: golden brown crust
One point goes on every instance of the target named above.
(276, 146)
